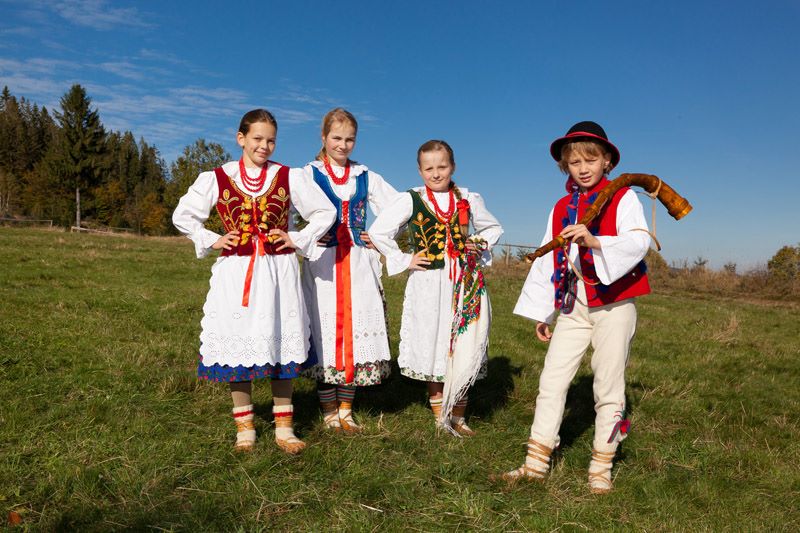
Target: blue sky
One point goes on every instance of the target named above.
(702, 94)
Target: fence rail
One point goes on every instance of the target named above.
(103, 229)
(49, 223)
(506, 247)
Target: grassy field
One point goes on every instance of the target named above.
(103, 425)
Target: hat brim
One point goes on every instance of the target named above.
(558, 144)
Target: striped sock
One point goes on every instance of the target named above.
(436, 407)
(457, 419)
(283, 421)
(330, 412)
(460, 407)
(346, 395)
(245, 430)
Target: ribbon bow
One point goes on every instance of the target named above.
(463, 212)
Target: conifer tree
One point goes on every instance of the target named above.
(80, 144)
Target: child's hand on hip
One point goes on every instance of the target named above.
(227, 241)
(419, 260)
(281, 237)
(366, 239)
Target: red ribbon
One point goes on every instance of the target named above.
(463, 212)
(258, 249)
(259, 239)
(344, 302)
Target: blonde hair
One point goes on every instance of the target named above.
(438, 144)
(584, 148)
(337, 114)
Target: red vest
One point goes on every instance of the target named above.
(632, 284)
(254, 217)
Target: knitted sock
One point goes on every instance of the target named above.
(600, 472)
(457, 419)
(330, 412)
(436, 407)
(245, 430)
(284, 433)
(346, 395)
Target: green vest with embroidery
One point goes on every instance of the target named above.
(426, 232)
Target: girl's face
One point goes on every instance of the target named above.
(587, 169)
(436, 170)
(258, 144)
(339, 142)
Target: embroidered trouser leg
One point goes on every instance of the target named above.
(614, 327)
(609, 330)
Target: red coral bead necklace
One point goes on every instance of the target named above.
(253, 185)
(338, 181)
(443, 216)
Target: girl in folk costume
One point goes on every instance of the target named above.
(446, 311)
(592, 283)
(255, 323)
(341, 281)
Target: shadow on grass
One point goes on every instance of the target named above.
(398, 392)
(491, 393)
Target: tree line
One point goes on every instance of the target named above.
(67, 167)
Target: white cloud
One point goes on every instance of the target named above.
(97, 14)
(123, 69)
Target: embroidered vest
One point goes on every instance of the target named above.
(254, 217)
(357, 207)
(426, 232)
(569, 209)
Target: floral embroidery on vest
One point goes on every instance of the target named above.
(253, 216)
(427, 232)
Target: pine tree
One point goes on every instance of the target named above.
(80, 144)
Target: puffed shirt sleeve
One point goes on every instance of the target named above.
(485, 224)
(382, 232)
(312, 204)
(537, 300)
(193, 210)
(619, 254)
(381, 194)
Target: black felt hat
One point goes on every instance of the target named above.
(585, 131)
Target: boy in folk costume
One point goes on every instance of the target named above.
(592, 286)
(446, 312)
(341, 281)
(254, 322)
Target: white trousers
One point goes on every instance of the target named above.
(609, 329)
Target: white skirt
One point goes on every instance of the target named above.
(272, 330)
(426, 325)
(370, 338)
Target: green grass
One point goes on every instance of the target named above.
(104, 426)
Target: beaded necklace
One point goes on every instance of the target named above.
(334, 178)
(253, 184)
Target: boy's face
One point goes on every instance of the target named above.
(258, 144)
(436, 170)
(587, 169)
